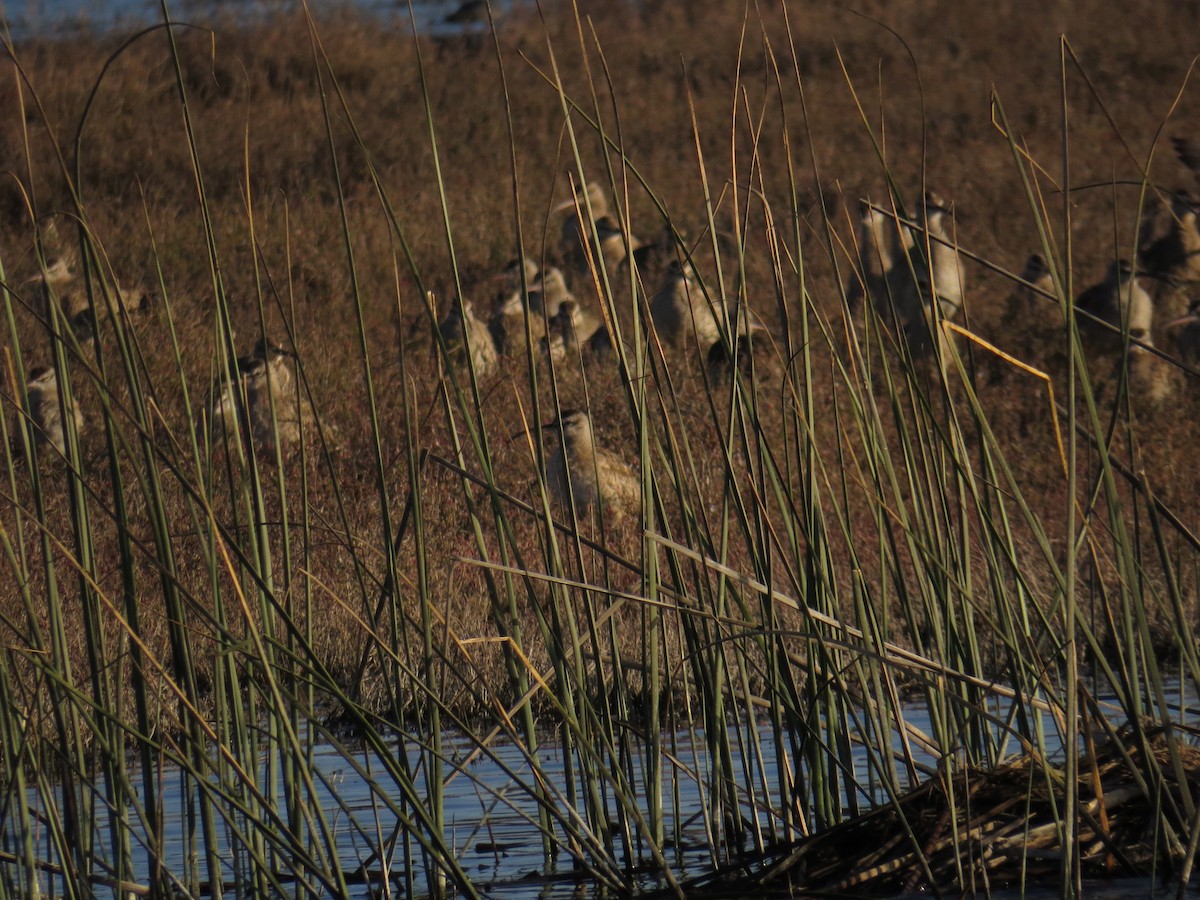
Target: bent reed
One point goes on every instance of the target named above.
(983, 503)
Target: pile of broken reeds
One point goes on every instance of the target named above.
(978, 829)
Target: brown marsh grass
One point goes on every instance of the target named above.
(669, 76)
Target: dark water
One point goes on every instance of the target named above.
(491, 818)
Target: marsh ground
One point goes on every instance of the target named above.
(778, 114)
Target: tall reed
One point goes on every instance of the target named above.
(833, 531)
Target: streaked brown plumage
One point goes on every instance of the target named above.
(258, 401)
(1151, 378)
(1175, 255)
(508, 322)
(595, 478)
(46, 410)
(1118, 300)
(570, 329)
(901, 282)
(608, 246)
(467, 338)
(679, 310)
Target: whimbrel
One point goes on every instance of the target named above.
(1151, 378)
(518, 276)
(271, 385)
(1032, 314)
(1119, 300)
(508, 322)
(944, 264)
(468, 338)
(903, 285)
(243, 404)
(570, 328)
(924, 292)
(60, 256)
(73, 300)
(1037, 273)
(680, 311)
(609, 247)
(1028, 299)
(1175, 256)
(548, 293)
(747, 335)
(877, 241)
(46, 410)
(595, 478)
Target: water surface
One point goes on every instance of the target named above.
(51, 18)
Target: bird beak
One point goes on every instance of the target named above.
(1184, 320)
(564, 206)
(524, 432)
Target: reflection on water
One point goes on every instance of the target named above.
(491, 817)
(490, 812)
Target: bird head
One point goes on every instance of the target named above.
(1035, 268)
(40, 375)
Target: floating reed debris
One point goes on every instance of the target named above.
(986, 829)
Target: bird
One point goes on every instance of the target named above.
(46, 410)
(1119, 301)
(1173, 259)
(517, 276)
(508, 321)
(224, 416)
(274, 412)
(587, 209)
(1187, 338)
(914, 286)
(594, 478)
(1188, 152)
(569, 329)
(938, 284)
(548, 293)
(73, 300)
(1032, 317)
(1028, 301)
(600, 345)
(58, 272)
(679, 309)
(945, 267)
(1037, 274)
(1175, 255)
(902, 283)
(60, 257)
(1151, 378)
(467, 338)
(258, 401)
(747, 335)
(877, 242)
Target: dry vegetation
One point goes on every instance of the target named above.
(254, 96)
